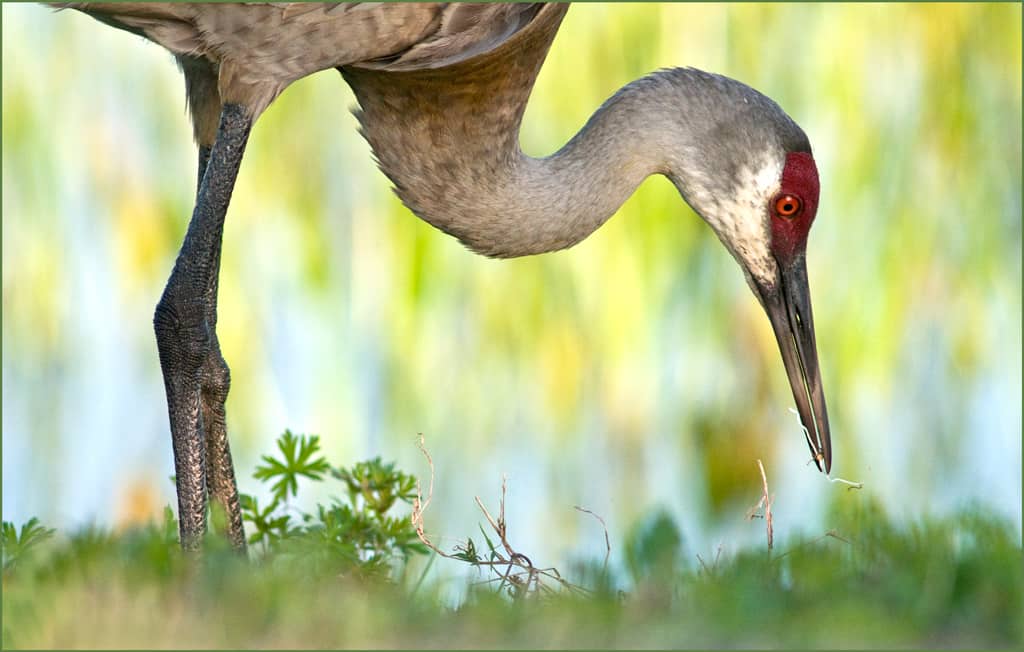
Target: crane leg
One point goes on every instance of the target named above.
(220, 471)
(195, 375)
(215, 383)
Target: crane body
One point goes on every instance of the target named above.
(441, 91)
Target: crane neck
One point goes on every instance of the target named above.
(448, 139)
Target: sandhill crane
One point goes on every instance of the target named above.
(441, 92)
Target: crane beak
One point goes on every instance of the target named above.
(788, 305)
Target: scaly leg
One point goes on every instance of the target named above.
(215, 383)
(184, 322)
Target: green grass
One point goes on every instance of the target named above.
(340, 576)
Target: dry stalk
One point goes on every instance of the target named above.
(831, 534)
(419, 505)
(513, 570)
(766, 503)
(604, 526)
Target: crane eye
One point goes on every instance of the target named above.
(788, 205)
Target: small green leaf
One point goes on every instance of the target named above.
(297, 460)
(15, 546)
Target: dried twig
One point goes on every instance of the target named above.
(830, 534)
(604, 526)
(766, 500)
(419, 505)
(766, 503)
(514, 571)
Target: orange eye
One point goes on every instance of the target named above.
(788, 205)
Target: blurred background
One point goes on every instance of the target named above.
(633, 372)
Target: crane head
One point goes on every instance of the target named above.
(785, 294)
(747, 169)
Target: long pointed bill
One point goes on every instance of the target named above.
(789, 309)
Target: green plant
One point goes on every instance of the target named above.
(16, 546)
(351, 533)
(872, 583)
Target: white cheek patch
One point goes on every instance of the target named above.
(741, 219)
